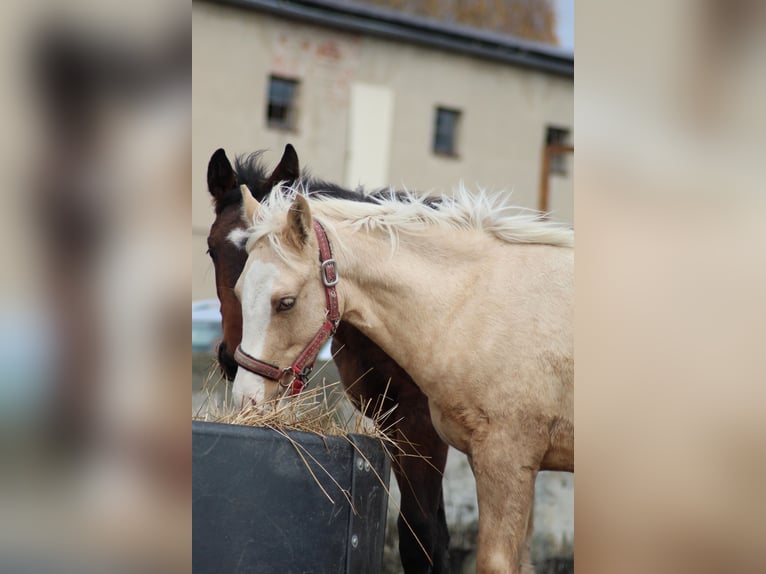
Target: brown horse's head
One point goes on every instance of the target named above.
(229, 258)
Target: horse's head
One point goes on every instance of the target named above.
(283, 299)
(229, 257)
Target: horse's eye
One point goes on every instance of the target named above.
(285, 304)
(212, 253)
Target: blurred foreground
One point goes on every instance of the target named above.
(671, 275)
(94, 327)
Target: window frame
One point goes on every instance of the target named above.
(454, 150)
(290, 123)
(557, 163)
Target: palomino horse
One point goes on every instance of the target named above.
(492, 348)
(364, 368)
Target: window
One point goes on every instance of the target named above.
(281, 112)
(446, 131)
(557, 163)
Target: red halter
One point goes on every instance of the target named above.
(302, 366)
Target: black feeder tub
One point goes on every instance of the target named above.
(258, 509)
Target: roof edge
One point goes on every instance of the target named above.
(417, 30)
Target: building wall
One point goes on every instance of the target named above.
(505, 111)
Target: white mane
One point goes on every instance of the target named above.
(397, 213)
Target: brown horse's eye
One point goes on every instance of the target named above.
(285, 304)
(212, 253)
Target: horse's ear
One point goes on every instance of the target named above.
(250, 205)
(299, 223)
(220, 175)
(288, 169)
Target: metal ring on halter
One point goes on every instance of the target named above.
(285, 371)
(302, 376)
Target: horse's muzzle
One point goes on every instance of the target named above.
(226, 362)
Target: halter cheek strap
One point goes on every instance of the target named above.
(302, 366)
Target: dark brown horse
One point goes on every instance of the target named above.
(357, 358)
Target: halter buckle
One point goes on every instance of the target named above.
(304, 373)
(325, 278)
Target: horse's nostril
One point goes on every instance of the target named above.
(227, 362)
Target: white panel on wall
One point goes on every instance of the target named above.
(369, 139)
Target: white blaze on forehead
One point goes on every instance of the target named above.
(238, 237)
(256, 284)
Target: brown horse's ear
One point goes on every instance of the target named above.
(220, 175)
(250, 205)
(287, 171)
(299, 223)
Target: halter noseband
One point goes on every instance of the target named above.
(302, 366)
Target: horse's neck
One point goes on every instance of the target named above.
(440, 294)
(405, 300)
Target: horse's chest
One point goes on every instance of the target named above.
(456, 426)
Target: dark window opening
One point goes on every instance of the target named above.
(281, 112)
(557, 163)
(446, 132)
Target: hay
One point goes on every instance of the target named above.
(322, 408)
